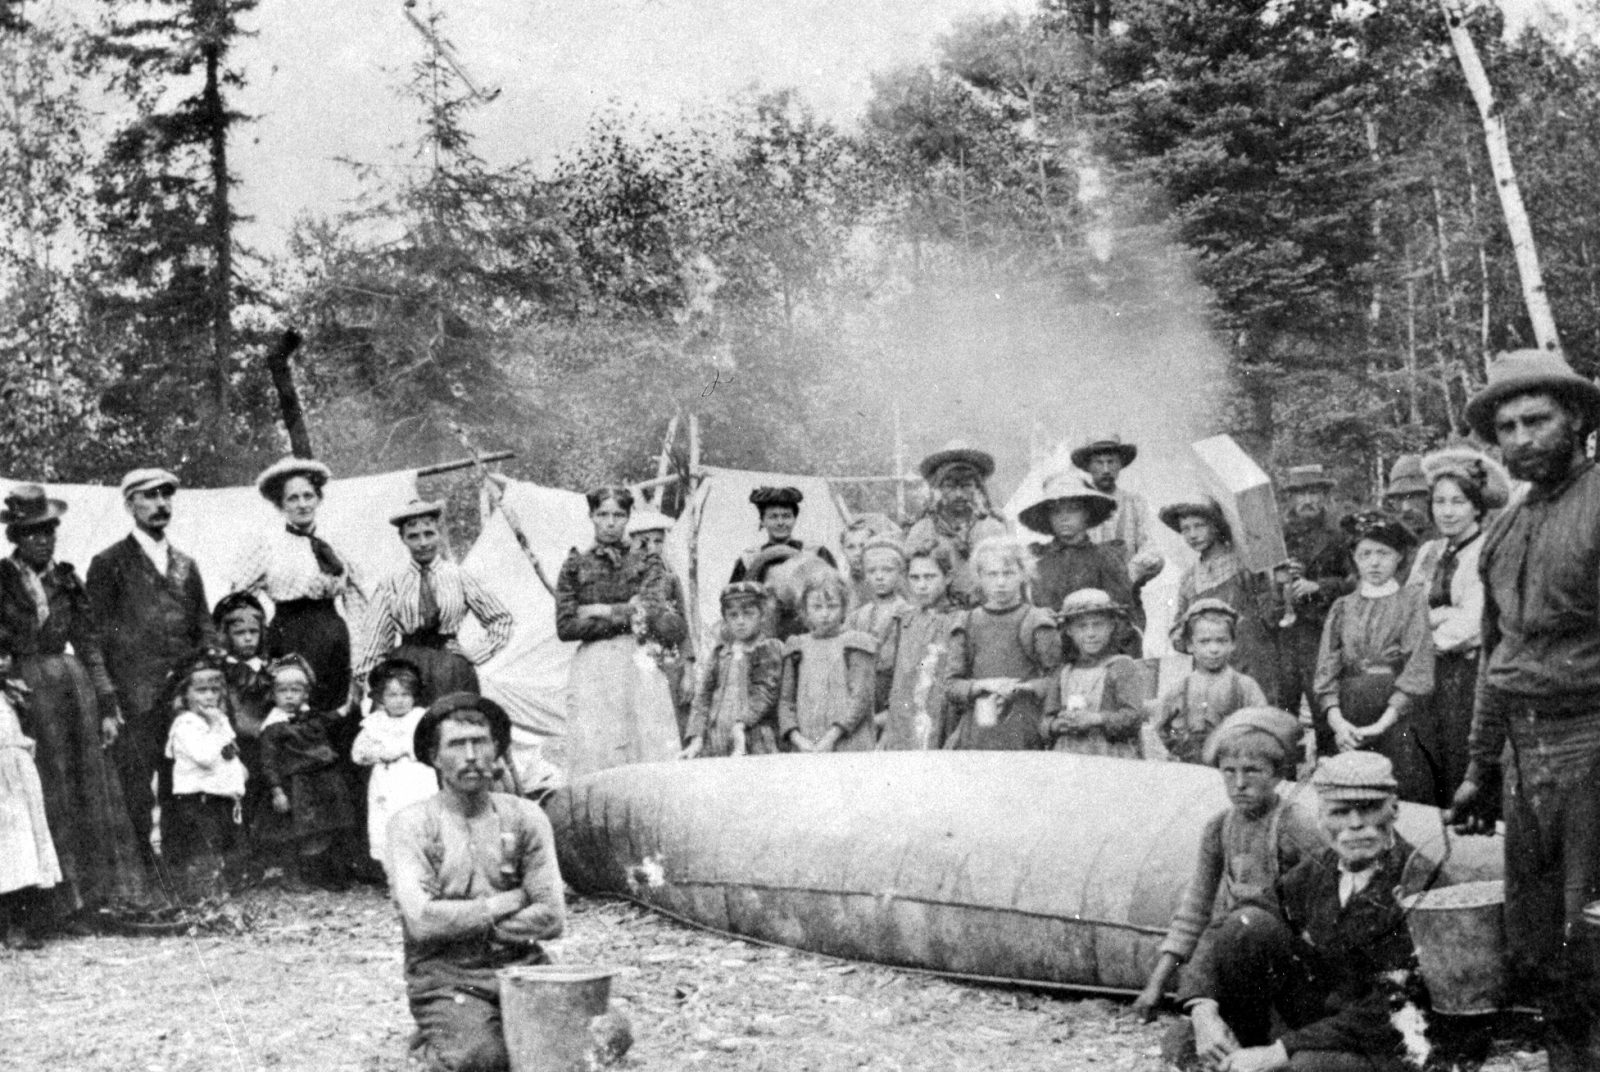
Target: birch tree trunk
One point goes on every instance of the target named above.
(1505, 179)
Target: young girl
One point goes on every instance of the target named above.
(311, 809)
(736, 699)
(385, 745)
(1376, 662)
(913, 657)
(1003, 654)
(1245, 847)
(28, 863)
(825, 701)
(1096, 704)
(1213, 690)
(853, 541)
(883, 566)
(200, 824)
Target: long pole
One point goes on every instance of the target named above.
(692, 513)
(899, 466)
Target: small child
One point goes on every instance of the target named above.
(853, 541)
(240, 620)
(913, 654)
(1246, 847)
(1213, 690)
(200, 824)
(825, 701)
(311, 808)
(736, 699)
(28, 863)
(1003, 654)
(883, 568)
(385, 745)
(1096, 704)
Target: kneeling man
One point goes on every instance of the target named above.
(474, 875)
(1330, 963)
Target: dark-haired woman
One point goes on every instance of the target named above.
(43, 609)
(610, 599)
(1463, 485)
(306, 579)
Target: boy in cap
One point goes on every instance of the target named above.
(735, 709)
(1189, 711)
(1246, 847)
(150, 606)
(1327, 967)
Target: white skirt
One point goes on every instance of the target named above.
(619, 708)
(27, 855)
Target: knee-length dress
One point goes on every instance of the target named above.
(99, 854)
(298, 757)
(619, 703)
(1221, 575)
(1377, 652)
(1116, 688)
(913, 662)
(1020, 643)
(829, 682)
(738, 684)
(398, 779)
(27, 853)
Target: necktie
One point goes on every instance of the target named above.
(427, 600)
(1445, 572)
(327, 560)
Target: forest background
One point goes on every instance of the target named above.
(1269, 217)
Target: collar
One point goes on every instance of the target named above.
(1543, 493)
(790, 542)
(276, 717)
(156, 550)
(1456, 548)
(433, 567)
(305, 533)
(26, 569)
(1388, 588)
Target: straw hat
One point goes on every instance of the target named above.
(1110, 444)
(415, 509)
(1470, 466)
(1523, 372)
(272, 479)
(1067, 486)
(1087, 601)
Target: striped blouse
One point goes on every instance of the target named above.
(395, 610)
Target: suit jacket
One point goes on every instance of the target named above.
(147, 622)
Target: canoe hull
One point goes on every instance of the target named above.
(1032, 867)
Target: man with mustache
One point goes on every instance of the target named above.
(473, 873)
(150, 606)
(1536, 717)
(1316, 573)
(1129, 529)
(958, 516)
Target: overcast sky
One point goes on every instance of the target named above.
(322, 75)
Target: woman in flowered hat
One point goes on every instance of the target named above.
(44, 610)
(1375, 666)
(1220, 574)
(1464, 485)
(959, 515)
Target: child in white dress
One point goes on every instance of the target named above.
(384, 744)
(28, 861)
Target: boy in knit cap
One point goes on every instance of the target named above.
(1325, 967)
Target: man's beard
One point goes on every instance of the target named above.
(1311, 511)
(957, 508)
(1106, 482)
(1544, 465)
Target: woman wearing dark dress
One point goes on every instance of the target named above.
(43, 609)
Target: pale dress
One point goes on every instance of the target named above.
(27, 855)
(398, 778)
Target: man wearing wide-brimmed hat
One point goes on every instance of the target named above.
(473, 873)
(1407, 496)
(1539, 688)
(1071, 562)
(958, 516)
(1130, 527)
(150, 605)
(1316, 573)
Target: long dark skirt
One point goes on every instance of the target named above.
(443, 672)
(100, 860)
(1363, 697)
(1449, 720)
(313, 629)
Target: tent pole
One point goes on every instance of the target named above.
(899, 466)
(653, 496)
(692, 509)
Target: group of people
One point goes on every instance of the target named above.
(156, 748)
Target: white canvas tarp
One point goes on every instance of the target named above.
(215, 525)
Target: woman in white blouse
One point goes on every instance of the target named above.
(1464, 485)
(306, 579)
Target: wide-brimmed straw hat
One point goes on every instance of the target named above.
(415, 509)
(1087, 601)
(1108, 444)
(27, 506)
(1406, 477)
(1202, 506)
(1067, 486)
(1472, 467)
(272, 479)
(426, 737)
(1306, 477)
(1522, 372)
(957, 451)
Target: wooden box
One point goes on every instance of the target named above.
(1244, 490)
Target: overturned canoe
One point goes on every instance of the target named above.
(1038, 867)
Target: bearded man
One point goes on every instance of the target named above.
(1316, 573)
(1536, 717)
(958, 516)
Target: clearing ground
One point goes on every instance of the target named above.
(313, 982)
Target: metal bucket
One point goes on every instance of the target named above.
(545, 1012)
(1460, 936)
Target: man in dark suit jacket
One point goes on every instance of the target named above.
(150, 606)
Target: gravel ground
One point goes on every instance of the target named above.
(312, 981)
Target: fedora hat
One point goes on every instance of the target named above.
(1522, 372)
(1406, 477)
(26, 506)
(954, 452)
(1067, 486)
(425, 738)
(1109, 444)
